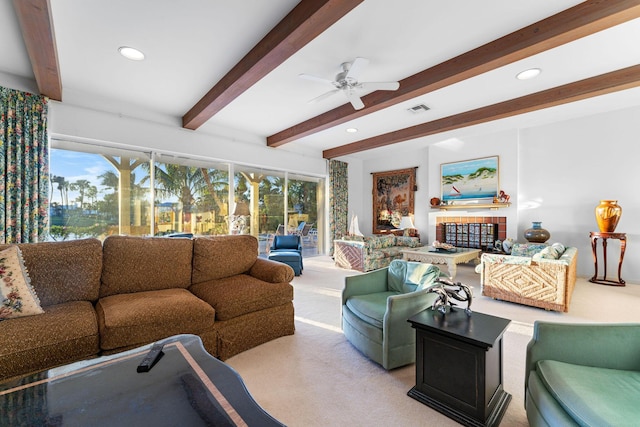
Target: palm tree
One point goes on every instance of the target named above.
(81, 186)
(184, 182)
(63, 187)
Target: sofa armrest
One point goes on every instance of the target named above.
(366, 283)
(271, 271)
(349, 254)
(610, 345)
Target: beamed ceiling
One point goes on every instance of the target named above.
(585, 49)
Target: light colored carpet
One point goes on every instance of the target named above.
(316, 378)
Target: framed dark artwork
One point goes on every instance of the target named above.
(470, 179)
(393, 198)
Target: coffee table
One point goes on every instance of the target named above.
(186, 387)
(431, 255)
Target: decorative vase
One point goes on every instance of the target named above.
(435, 201)
(608, 213)
(536, 234)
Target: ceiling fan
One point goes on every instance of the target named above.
(346, 81)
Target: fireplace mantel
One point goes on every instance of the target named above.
(492, 206)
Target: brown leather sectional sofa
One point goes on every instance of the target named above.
(101, 298)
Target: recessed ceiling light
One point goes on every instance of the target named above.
(352, 130)
(131, 53)
(528, 74)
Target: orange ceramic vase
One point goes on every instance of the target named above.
(608, 214)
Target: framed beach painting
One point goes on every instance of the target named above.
(470, 179)
(393, 198)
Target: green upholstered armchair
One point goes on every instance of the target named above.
(377, 304)
(583, 374)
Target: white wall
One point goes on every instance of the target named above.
(75, 122)
(555, 173)
(566, 168)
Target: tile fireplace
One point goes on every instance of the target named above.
(477, 232)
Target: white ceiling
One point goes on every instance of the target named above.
(191, 44)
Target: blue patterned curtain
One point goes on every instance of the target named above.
(338, 200)
(24, 167)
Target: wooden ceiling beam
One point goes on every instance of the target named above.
(574, 23)
(614, 81)
(36, 23)
(305, 22)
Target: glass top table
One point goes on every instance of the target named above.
(186, 387)
(430, 255)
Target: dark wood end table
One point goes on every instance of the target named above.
(186, 387)
(459, 365)
(595, 235)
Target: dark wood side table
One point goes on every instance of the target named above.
(623, 245)
(459, 365)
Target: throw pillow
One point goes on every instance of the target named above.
(547, 253)
(526, 249)
(17, 297)
(559, 247)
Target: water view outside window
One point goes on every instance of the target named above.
(96, 195)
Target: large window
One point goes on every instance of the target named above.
(94, 195)
(191, 197)
(305, 200)
(97, 191)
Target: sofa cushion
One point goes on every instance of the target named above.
(411, 242)
(370, 308)
(217, 257)
(241, 294)
(137, 264)
(17, 297)
(143, 317)
(591, 395)
(379, 242)
(64, 271)
(65, 333)
(405, 276)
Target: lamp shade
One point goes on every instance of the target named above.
(241, 209)
(406, 222)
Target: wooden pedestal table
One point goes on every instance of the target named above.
(623, 245)
(459, 365)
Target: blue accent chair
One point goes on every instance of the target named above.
(287, 249)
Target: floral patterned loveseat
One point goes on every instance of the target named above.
(371, 252)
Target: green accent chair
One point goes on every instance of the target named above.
(377, 304)
(583, 375)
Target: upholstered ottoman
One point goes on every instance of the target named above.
(292, 259)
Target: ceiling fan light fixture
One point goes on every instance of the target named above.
(131, 53)
(528, 74)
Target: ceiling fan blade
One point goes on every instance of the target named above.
(354, 100)
(315, 78)
(358, 65)
(324, 96)
(379, 85)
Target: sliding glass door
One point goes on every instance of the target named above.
(97, 191)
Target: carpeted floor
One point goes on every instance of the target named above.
(316, 378)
